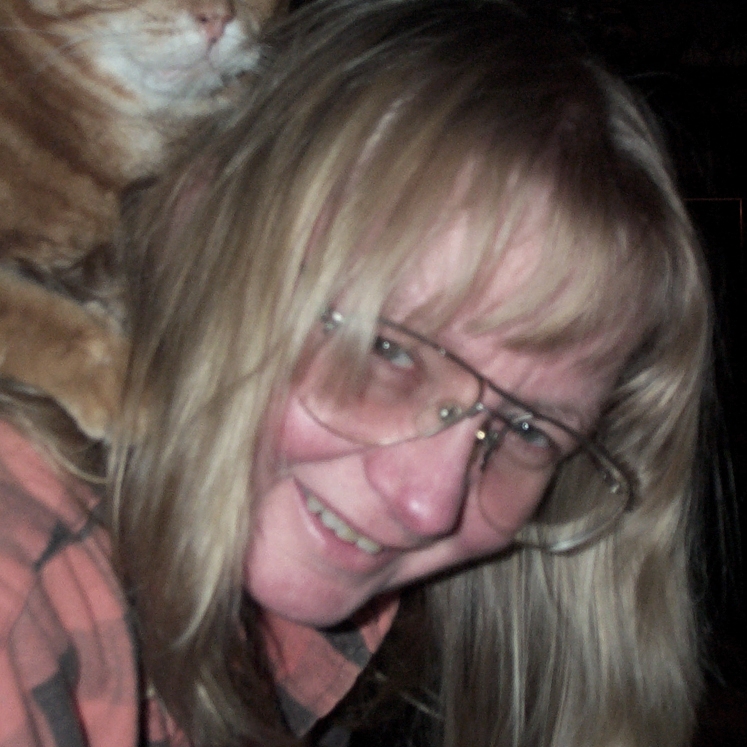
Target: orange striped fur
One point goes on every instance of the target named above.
(93, 93)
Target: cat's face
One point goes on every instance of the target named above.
(165, 55)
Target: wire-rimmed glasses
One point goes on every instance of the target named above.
(407, 386)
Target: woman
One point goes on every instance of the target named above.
(422, 325)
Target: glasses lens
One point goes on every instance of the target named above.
(585, 497)
(399, 388)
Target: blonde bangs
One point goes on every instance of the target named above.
(414, 164)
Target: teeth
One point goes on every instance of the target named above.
(340, 528)
(367, 545)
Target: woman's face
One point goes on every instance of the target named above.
(343, 524)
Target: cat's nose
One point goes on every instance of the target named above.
(213, 16)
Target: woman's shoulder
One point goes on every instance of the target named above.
(67, 656)
(30, 474)
(42, 510)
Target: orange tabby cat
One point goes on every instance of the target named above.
(92, 95)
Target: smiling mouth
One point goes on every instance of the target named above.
(341, 530)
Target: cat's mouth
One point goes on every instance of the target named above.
(201, 79)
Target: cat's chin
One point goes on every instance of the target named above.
(199, 88)
(206, 103)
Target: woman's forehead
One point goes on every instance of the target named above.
(451, 271)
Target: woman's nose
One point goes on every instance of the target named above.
(423, 482)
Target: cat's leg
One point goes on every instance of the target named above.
(54, 345)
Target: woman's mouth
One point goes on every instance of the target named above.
(341, 530)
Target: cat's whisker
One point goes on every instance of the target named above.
(57, 52)
(155, 27)
(29, 31)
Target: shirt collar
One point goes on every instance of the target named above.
(315, 668)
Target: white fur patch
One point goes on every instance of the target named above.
(163, 58)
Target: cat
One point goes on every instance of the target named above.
(93, 95)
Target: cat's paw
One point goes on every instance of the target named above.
(89, 380)
(56, 347)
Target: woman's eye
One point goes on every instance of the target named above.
(531, 435)
(518, 441)
(393, 353)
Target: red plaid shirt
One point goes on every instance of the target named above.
(68, 663)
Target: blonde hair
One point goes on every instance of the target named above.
(374, 126)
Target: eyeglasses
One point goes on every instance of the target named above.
(407, 386)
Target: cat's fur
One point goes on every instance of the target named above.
(92, 95)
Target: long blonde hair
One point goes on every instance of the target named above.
(373, 126)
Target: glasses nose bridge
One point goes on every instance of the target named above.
(481, 407)
(457, 406)
(489, 435)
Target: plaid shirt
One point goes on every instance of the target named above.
(68, 662)
(314, 669)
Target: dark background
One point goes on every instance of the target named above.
(689, 60)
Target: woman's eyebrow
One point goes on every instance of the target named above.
(566, 414)
(571, 415)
